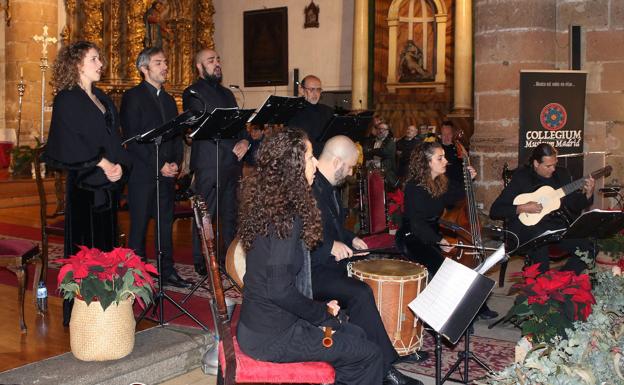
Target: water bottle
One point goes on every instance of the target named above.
(42, 297)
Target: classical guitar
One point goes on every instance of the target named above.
(550, 199)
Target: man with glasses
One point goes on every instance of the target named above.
(314, 116)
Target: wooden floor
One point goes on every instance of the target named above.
(46, 336)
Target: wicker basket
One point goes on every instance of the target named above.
(97, 335)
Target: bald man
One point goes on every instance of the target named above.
(314, 116)
(203, 152)
(329, 259)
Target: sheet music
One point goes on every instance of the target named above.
(436, 303)
(492, 260)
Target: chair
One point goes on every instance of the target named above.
(15, 255)
(373, 210)
(236, 367)
(51, 224)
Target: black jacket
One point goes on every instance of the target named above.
(333, 219)
(140, 112)
(525, 180)
(203, 152)
(271, 301)
(313, 119)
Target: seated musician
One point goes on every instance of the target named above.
(541, 171)
(329, 258)
(426, 196)
(278, 224)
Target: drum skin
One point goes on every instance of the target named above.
(235, 263)
(395, 284)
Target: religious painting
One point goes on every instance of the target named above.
(155, 24)
(266, 47)
(311, 16)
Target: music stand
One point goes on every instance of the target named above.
(352, 126)
(222, 123)
(449, 305)
(277, 110)
(165, 132)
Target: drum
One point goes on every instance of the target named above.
(395, 284)
(235, 264)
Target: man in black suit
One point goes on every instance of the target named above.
(144, 107)
(328, 260)
(207, 93)
(314, 116)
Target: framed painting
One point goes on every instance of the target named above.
(265, 59)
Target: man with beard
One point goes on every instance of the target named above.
(329, 258)
(144, 107)
(204, 152)
(314, 116)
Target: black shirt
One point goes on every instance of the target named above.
(313, 119)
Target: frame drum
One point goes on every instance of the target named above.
(235, 263)
(395, 284)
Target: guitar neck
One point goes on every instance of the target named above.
(577, 184)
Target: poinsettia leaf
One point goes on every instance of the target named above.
(540, 310)
(96, 268)
(568, 309)
(107, 298)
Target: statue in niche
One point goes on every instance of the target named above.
(411, 67)
(155, 26)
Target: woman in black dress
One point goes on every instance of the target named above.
(84, 140)
(426, 196)
(278, 223)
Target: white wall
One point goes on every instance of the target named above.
(325, 51)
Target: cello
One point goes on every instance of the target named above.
(460, 225)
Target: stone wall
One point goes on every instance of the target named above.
(511, 35)
(22, 52)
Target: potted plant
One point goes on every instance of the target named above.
(103, 286)
(611, 250)
(549, 303)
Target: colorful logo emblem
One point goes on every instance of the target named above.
(553, 116)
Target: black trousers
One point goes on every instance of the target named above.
(357, 297)
(355, 360)
(429, 256)
(206, 186)
(574, 263)
(142, 207)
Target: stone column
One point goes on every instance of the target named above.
(359, 89)
(462, 98)
(22, 52)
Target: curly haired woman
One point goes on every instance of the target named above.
(279, 223)
(84, 140)
(425, 199)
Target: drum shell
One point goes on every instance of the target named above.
(392, 295)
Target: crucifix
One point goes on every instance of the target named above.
(44, 39)
(424, 19)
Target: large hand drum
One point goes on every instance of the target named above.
(395, 284)
(235, 263)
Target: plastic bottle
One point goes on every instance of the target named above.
(42, 297)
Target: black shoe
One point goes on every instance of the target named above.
(176, 281)
(487, 313)
(200, 269)
(394, 377)
(413, 358)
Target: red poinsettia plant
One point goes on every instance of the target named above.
(549, 302)
(107, 277)
(396, 201)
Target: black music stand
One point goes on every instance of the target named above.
(277, 110)
(352, 126)
(157, 136)
(222, 123)
(453, 323)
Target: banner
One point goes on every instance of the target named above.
(552, 110)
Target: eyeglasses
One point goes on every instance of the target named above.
(313, 89)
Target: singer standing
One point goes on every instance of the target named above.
(144, 107)
(314, 117)
(206, 94)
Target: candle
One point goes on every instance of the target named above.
(21, 72)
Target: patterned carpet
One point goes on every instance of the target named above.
(496, 354)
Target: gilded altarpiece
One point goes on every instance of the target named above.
(123, 28)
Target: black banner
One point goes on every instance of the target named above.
(552, 110)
